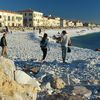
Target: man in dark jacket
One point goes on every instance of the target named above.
(3, 44)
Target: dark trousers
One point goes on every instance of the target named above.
(44, 50)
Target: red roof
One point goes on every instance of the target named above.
(27, 10)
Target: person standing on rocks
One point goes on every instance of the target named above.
(44, 45)
(64, 44)
(39, 30)
(3, 44)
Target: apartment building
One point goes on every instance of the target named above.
(32, 18)
(45, 21)
(8, 18)
(70, 23)
(51, 21)
(91, 25)
(63, 23)
(78, 23)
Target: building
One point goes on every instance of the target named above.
(63, 23)
(70, 23)
(91, 25)
(8, 18)
(45, 21)
(32, 18)
(53, 22)
(57, 21)
(78, 24)
(85, 24)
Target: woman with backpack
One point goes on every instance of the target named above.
(44, 45)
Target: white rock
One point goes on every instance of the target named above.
(22, 78)
(49, 88)
(75, 80)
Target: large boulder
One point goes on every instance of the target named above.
(9, 88)
(23, 78)
(8, 67)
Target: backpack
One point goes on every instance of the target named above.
(0, 43)
(43, 43)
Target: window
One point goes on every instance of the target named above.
(30, 19)
(0, 16)
(0, 25)
(19, 18)
(30, 14)
(30, 25)
(12, 18)
(13, 24)
(25, 14)
(8, 18)
(25, 20)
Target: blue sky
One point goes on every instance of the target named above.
(84, 10)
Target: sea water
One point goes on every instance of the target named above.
(90, 41)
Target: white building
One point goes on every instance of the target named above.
(53, 22)
(57, 21)
(70, 23)
(78, 24)
(32, 18)
(8, 18)
(45, 21)
(91, 25)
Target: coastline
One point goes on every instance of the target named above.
(73, 32)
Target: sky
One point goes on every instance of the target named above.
(84, 10)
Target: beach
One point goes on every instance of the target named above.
(82, 67)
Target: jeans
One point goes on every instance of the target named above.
(64, 50)
(44, 50)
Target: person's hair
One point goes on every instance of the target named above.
(45, 35)
(4, 34)
(64, 32)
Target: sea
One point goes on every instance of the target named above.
(90, 41)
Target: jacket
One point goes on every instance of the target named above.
(64, 40)
(3, 42)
